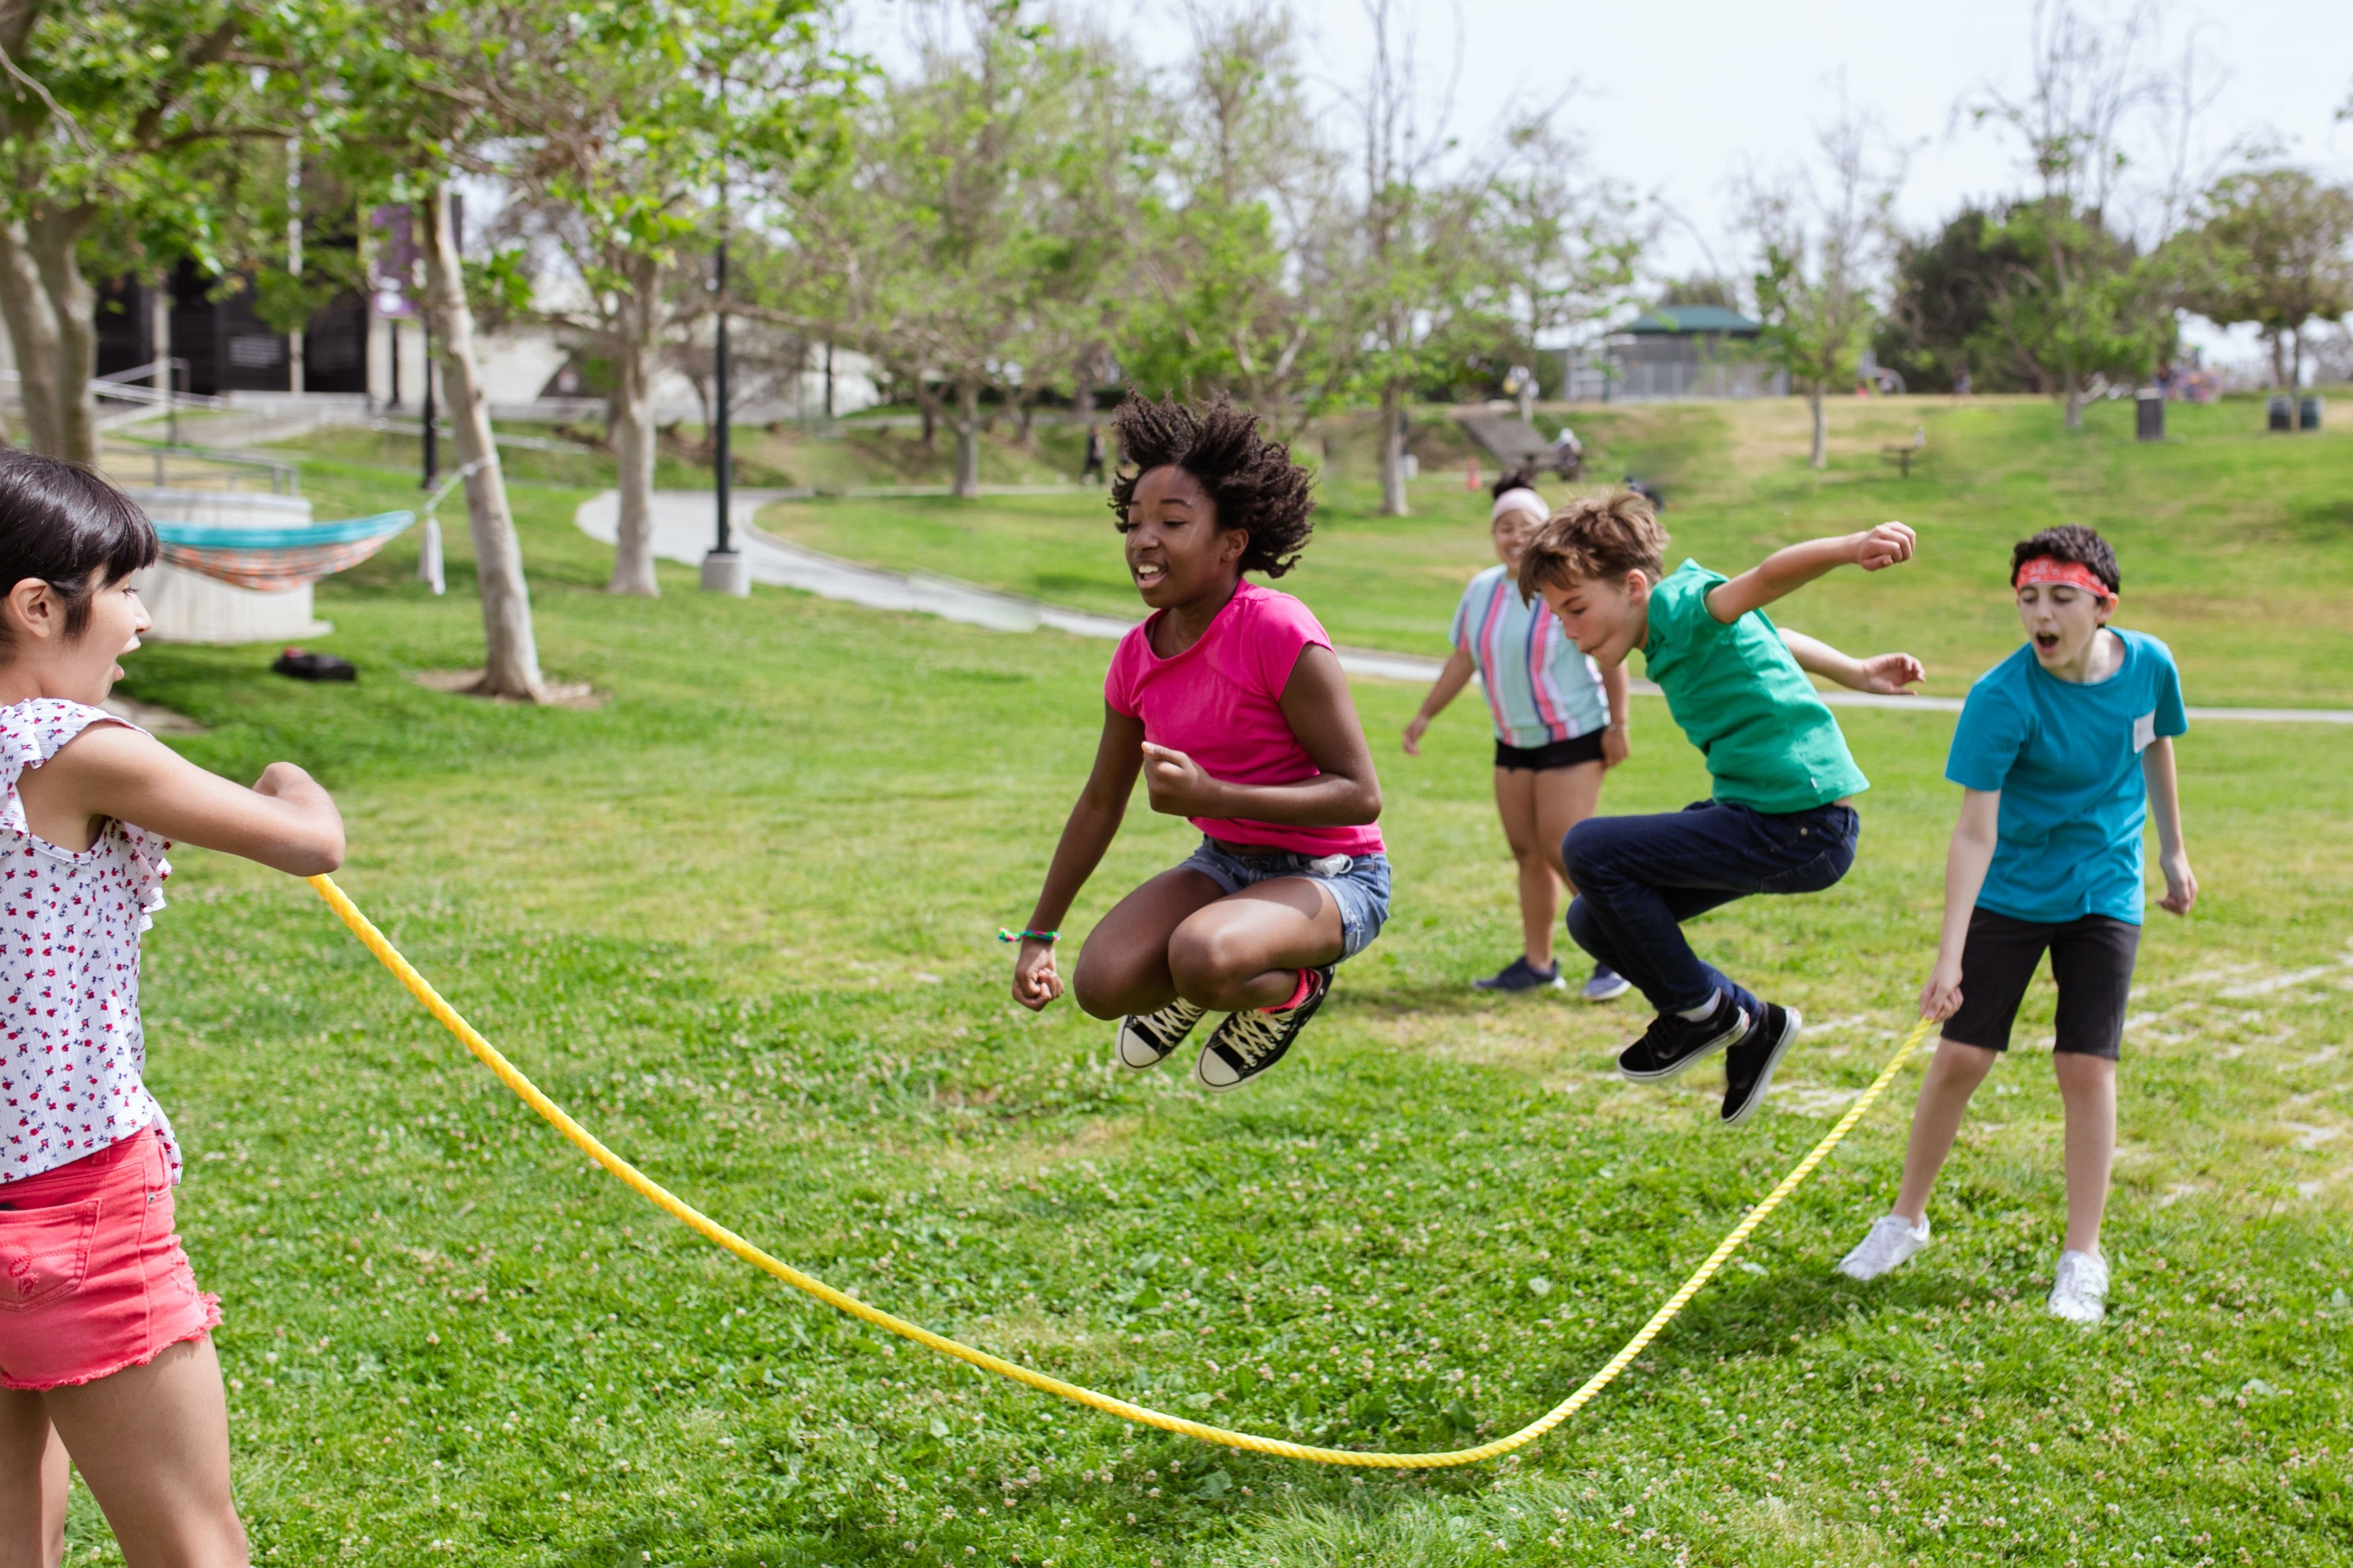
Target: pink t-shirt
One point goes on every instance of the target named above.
(1220, 703)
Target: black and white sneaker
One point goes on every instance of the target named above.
(1147, 1038)
(1748, 1065)
(1247, 1043)
(1674, 1042)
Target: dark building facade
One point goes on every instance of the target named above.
(227, 347)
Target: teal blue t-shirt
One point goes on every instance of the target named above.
(1737, 692)
(2066, 758)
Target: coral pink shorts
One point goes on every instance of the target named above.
(92, 1278)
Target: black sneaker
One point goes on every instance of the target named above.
(1674, 1042)
(1147, 1038)
(1247, 1043)
(1521, 975)
(1748, 1066)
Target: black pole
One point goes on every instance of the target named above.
(393, 322)
(432, 448)
(721, 459)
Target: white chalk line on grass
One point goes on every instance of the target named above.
(685, 524)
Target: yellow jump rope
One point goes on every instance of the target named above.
(695, 1220)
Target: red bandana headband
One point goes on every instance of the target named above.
(2073, 573)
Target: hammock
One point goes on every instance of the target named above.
(277, 560)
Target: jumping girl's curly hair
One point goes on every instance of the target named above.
(1256, 486)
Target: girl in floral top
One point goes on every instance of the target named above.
(105, 1348)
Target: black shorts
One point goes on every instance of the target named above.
(1585, 748)
(2091, 961)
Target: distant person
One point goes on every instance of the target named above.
(1781, 819)
(1648, 491)
(1961, 382)
(1231, 703)
(2064, 751)
(1092, 469)
(1567, 455)
(106, 1351)
(1559, 723)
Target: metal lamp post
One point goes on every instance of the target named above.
(724, 569)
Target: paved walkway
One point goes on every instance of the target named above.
(685, 524)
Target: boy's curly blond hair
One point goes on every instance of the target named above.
(1595, 537)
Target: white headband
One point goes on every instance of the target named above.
(1521, 499)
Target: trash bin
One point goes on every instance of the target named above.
(2307, 414)
(2283, 414)
(2149, 414)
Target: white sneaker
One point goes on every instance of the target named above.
(2080, 1293)
(1892, 1242)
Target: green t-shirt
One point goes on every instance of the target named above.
(1738, 693)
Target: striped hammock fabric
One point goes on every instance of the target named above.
(278, 560)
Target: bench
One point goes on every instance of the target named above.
(1901, 453)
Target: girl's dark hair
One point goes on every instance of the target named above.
(63, 524)
(2068, 542)
(1256, 486)
(1523, 478)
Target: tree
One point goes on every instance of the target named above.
(1415, 292)
(387, 88)
(973, 212)
(1562, 241)
(2277, 242)
(2081, 302)
(1939, 317)
(1817, 257)
(619, 128)
(110, 114)
(1231, 290)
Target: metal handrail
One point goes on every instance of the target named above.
(284, 476)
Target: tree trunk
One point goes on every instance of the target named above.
(33, 334)
(2295, 361)
(2279, 361)
(1082, 384)
(2074, 403)
(968, 433)
(1820, 457)
(510, 652)
(73, 305)
(631, 417)
(1392, 454)
(929, 407)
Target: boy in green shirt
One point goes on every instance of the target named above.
(1779, 821)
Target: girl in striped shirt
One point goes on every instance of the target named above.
(1559, 722)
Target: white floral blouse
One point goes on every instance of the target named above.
(72, 1051)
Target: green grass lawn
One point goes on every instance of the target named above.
(2237, 545)
(739, 918)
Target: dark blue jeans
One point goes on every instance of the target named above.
(1639, 878)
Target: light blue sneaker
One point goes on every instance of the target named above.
(1606, 984)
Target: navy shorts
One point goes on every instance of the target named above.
(1360, 888)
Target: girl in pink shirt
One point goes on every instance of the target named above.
(1230, 703)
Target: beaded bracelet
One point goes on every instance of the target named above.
(1048, 936)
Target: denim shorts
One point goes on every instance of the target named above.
(1362, 890)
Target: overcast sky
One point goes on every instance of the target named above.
(1675, 93)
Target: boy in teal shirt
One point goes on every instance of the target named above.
(2064, 750)
(1780, 819)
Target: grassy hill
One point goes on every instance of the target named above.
(2237, 545)
(739, 917)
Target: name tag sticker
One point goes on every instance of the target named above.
(2145, 731)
